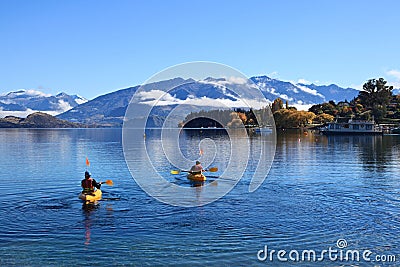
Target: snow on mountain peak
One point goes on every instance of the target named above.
(26, 93)
(29, 101)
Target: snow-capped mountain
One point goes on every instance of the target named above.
(302, 94)
(110, 109)
(24, 102)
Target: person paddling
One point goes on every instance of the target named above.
(196, 169)
(88, 184)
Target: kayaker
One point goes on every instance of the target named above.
(88, 184)
(196, 169)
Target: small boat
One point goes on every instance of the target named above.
(346, 126)
(96, 195)
(196, 177)
(263, 130)
(396, 130)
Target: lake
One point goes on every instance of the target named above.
(339, 192)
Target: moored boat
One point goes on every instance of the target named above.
(396, 130)
(96, 195)
(196, 177)
(263, 130)
(346, 126)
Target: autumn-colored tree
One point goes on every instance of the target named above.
(277, 105)
(305, 117)
(323, 118)
(327, 108)
(235, 120)
(242, 116)
(345, 111)
(288, 118)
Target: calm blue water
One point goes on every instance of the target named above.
(319, 190)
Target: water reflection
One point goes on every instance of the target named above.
(374, 152)
(196, 184)
(88, 209)
(319, 189)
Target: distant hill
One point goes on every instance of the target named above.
(37, 120)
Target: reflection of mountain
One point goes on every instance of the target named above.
(110, 109)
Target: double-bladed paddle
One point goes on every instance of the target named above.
(108, 182)
(213, 169)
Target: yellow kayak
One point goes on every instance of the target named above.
(91, 197)
(197, 177)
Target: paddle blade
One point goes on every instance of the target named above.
(213, 169)
(87, 162)
(175, 172)
(109, 182)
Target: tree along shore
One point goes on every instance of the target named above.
(376, 101)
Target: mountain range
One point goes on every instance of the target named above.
(25, 102)
(302, 94)
(109, 109)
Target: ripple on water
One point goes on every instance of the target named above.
(316, 193)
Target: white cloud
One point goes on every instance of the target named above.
(272, 91)
(32, 92)
(237, 80)
(285, 97)
(226, 81)
(160, 98)
(273, 74)
(64, 106)
(304, 81)
(210, 102)
(302, 106)
(309, 90)
(394, 73)
(24, 92)
(156, 95)
(356, 86)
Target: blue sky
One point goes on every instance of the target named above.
(96, 47)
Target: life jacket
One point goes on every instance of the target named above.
(87, 185)
(196, 169)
